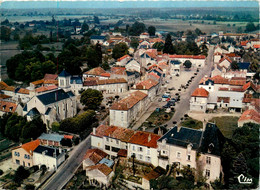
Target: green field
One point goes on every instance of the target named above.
(226, 124)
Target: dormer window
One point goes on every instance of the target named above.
(4, 107)
(210, 148)
(11, 108)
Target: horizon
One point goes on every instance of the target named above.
(110, 4)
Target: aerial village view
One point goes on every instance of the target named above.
(129, 95)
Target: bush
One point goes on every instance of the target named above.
(1, 172)
(21, 174)
(29, 187)
(66, 142)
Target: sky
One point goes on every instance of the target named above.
(36, 4)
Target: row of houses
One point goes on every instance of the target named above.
(199, 149)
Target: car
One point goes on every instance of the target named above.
(170, 77)
(173, 99)
(160, 99)
(195, 73)
(198, 70)
(171, 88)
(167, 81)
(166, 106)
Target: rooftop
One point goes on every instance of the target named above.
(31, 146)
(51, 137)
(145, 139)
(48, 151)
(6, 106)
(54, 96)
(103, 168)
(200, 92)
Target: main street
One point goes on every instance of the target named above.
(66, 171)
(184, 105)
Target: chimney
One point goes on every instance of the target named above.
(54, 153)
(178, 128)
(60, 150)
(143, 128)
(149, 137)
(94, 130)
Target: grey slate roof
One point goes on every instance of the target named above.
(51, 137)
(64, 74)
(48, 111)
(48, 151)
(97, 37)
(33, 112)
(77, 80)
(182, 138)
(54, 96)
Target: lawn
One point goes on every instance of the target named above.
(191, 123)
(157, 118)
(226, 124)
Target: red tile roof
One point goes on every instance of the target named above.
(95, 155)
(128, 102)
(3, 85)
(96, 71)
(123, 57)
(50, 77)
(224, 99)
(31, 146)
(225, 58)
(10, 88)
(154, 75)
(145, 139)
(188, 56)
(45, 88)
(152, 53)
(200, 92)
(6, 106)
(122, 153)
(146, 85)
(68, 136)
(154, 40)
(248, 85)
(232, 55)
(118, 70)
(155, 66)
(37, 82)
(250, 115)
(3, 96)
(101, 167)
(243, 43)
(105, 74)
(119, 133)
(237, 81)
(257, 46)
(23, 91)
(219, 80)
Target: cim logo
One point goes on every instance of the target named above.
(244, 180)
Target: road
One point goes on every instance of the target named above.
(184, 105)
(66, 171)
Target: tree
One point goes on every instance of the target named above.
(98, 50)
(5, 33)
(96, 20)
(84, 27)
(151, 30)
(43, 168)
(168, 46)
(234, 65)
(92, 57)
(66, 142)
(29, 187)
(254, 66)
(134, 43)
(21, 174)
(55, 126)
(158, 45)
(105, 66)
(91, 98)
(120, 50)
(187, 64)
(136, 29)
(250, 27)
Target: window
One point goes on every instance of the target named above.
(207, 173)
(178, 155)
(188, 157)
(148, 151)
(140, 149)
(28, 156)
(208, 160)
(17, 154)
(29, 164)
(148, 158)
(107, 139)
(140, 156)
(188, 165)
(117, 141)
(114, 149)
(17, 162)
(25, 156)
(134, 147)
(107, 147)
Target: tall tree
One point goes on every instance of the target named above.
(119, 50)
(96, 20)
(168, 46)
(234, 65)
(151, 30)
(84, 27)
(91, 98)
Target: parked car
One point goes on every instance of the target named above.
(159, 99)
(172, 88)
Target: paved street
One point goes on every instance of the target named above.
(66, 171)
(184, 105)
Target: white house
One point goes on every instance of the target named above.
(149, 87)
(133, 65)
(193, 148)
(199, 100)
(48, 156)
(124, 112)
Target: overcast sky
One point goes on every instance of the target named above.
(18, 4)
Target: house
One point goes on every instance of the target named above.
(21, 95)
(133, 65)
(121, 72)
(196, 60)
(199, 149)
(199, 100)
(225, 61)
(123, 60)
(108, 86)
(143, 145)
(99, 175)
(249, 116)
(97, 72)
(7, 106)
(23, 155)
(111, 139)
(50, 139)
(52, 158)
(175, 67)
(97, 39)
(144, 36)
(93, 157)
(149, 87)
(53, 106)
(124, 112)
(152, 175)
(217, 57)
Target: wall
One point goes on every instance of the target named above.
(23, 161)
